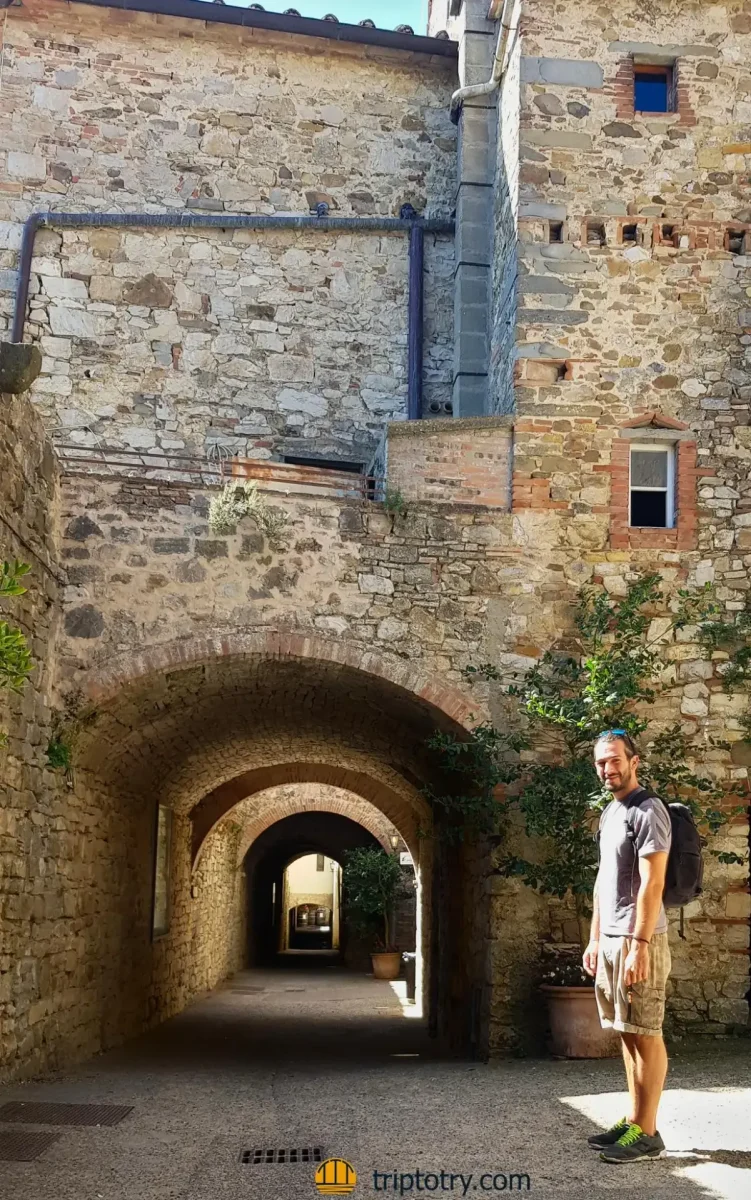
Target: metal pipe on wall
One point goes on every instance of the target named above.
(410, 224)
(416, 321)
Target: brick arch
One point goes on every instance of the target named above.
(375, 790)
(105, 684)
(286, 802)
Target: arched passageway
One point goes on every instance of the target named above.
(324, 835)
(239, 752)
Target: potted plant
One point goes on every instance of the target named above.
(372, 881)
(573, 1019)
(606, 677)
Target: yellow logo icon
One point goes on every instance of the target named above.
(336, 1177)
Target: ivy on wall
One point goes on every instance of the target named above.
(542, 776)
(15, 657)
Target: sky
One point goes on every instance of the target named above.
(387, 14)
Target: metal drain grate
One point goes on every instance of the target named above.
(283, 1157)
(23, 1146)
(35, 1113)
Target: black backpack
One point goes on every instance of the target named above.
(684, 875)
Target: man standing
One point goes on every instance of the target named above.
(628, 950)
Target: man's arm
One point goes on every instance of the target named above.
(652, 868)
(593, 948)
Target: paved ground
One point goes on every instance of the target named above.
(320, 1058)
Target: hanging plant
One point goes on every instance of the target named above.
(67, 726)
(238, 500)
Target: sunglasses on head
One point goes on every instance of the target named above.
(620, 733)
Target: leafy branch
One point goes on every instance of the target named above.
(372, 882)
(607, 678)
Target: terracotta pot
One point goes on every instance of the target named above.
(575, 1029)
(386, 965)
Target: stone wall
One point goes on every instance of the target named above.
(510, 174)
(36, 827)
(442, 586)
(207, 939)
(632, 325)
(258, 343)
(78, 970)
(642, 304)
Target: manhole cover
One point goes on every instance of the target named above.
(23, 1146)
(34, 1113)
(281, 1157)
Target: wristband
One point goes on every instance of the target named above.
(638, 939)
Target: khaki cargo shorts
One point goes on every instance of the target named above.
(640, 1008)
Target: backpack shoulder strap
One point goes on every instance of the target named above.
(645, 794)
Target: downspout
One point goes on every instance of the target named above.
(31, 225)
(499, 67)
(408, 223)
(416, 324)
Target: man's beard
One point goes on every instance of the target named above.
(625, 780)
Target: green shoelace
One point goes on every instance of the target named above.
(632, 1134)
(622, 1124)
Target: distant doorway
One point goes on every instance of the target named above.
(311, 894)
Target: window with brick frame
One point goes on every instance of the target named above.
(655, 88)
(651, 486)
(650, 508)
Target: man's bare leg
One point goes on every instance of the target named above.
(628, 1063)
(650, 1066)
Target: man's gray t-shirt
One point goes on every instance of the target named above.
(618, 879)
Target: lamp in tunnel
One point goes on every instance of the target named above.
(394, 839)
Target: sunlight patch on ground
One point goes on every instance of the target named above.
(694, 1123)
(707, 1119)
(410, 1008)
(718, 1181)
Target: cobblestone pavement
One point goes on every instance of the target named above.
(321, 1058)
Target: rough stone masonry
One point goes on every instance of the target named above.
(233, 343)
(618, 313)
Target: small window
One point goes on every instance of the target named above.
(629, 235)
(555, 232)
(735, 241)
(320, 862)
(667, 233)
(654, 90)
(652, 487)
(595, 233)
(326, 464)
(162, 857)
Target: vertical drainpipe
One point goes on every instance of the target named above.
(416, 318)
(473, 108)
(408, 221)
(31, 225)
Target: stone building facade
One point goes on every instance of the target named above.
(593, 298)
(245, 342)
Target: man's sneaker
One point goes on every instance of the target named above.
(599, 1141)
(633, 1146)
